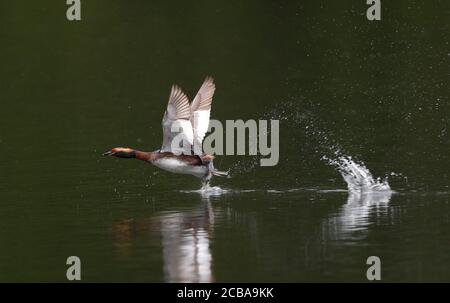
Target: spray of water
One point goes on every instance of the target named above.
(304, 124)
(357, 176)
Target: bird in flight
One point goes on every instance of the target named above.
(184, 127)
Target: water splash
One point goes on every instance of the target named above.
(218, 191)
(357, 176)
(208, 191)
(317, 141)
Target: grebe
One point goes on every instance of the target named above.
(192, 120)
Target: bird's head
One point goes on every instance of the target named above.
(121, 152)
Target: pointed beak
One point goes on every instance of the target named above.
(108, 153)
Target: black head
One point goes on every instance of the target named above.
(121, 152)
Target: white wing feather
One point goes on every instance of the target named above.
(189, 122)
(176, 122)
(200, 113)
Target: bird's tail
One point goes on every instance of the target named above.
(216, 172)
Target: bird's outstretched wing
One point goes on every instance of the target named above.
(177, 120)
(199, 113)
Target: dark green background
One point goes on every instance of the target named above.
(377, 91)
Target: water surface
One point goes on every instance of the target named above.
(340, 85)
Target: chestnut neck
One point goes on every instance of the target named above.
(145, 156)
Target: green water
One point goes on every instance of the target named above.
(376, 91)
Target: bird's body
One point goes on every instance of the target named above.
(184, 128)
(178, 165)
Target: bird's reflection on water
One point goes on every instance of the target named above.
(186, 244)
(184, 237)
(185, 240)
(353, 219)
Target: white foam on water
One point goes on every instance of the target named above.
(324, 191)
(215, 191)
(358, 177)
(218, 191)
(208, 190)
